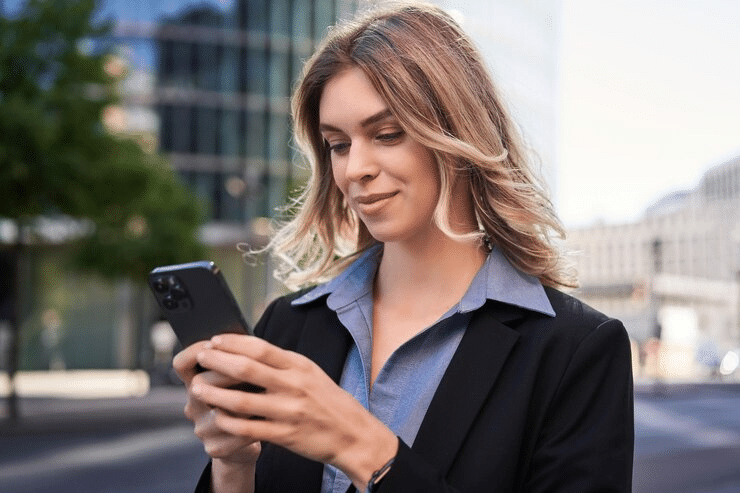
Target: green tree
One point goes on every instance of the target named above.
(58, 160)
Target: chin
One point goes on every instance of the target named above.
(387, 235)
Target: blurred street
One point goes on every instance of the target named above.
(688, 441)
(687, 438)
(116, 445)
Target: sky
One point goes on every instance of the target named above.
(650, 100)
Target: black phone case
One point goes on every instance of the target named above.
(197, 301)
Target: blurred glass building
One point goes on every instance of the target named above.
(206, 83)
(520, 41)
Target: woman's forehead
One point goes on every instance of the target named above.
(350, 97)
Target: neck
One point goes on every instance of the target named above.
(433, 272)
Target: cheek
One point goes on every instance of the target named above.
(338, 178)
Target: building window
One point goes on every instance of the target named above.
(181, 129)
(206, 130)
(280, 17)
(256, 72)
(230, 133)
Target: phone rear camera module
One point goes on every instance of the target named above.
(170, 303)
(178, 291)
(161, 284)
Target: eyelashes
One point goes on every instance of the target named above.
(385, 138)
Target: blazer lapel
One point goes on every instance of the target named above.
(325, 341)
(466, 384)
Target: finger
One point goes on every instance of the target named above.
(255, 348)
(185, 362)
(249, 429)
(239, 368)
(279, 433)
(226, 447)
(215, 379)
(238, 403)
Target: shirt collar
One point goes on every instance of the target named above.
(349, 286)
(496, 280)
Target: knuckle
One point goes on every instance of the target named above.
(200, 431)
(243, 369)
(297, 411)
(178, 362)
(198, 379)
(188, 410)
(193, 409)
(299, 382)
(260, 350)
(204, 427)
(243, 406)
(214, 450)
(301, 362)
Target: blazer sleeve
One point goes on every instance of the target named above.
(585, 440)
(204, 482)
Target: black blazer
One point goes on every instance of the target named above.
(529, 403)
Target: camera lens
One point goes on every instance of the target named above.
(178, 291)
(160, 284)
(169, 302)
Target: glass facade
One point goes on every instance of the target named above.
(207, 83)
(219, 77)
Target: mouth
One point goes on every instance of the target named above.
(373, 198)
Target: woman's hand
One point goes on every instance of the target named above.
(302, 409)
(234, 457)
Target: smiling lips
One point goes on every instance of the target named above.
(373, 198)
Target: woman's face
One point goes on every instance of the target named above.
(388, 179)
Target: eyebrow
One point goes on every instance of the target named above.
(370, 120)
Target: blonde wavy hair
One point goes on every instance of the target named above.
(436, 85)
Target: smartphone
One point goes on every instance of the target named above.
(197, 301)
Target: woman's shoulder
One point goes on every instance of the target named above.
(575, 322)
(569, 308)
(283, 306)
(283, 318)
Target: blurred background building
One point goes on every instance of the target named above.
(520, 40)
(207, 83)
(673, 276)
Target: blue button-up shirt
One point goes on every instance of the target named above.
(403, 389)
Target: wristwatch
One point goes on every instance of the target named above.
(374, 484)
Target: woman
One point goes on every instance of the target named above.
(438, 355)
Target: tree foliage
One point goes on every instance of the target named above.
(57, 159)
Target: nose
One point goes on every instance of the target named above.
(361, 164)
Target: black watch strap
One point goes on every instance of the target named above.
(374, 484)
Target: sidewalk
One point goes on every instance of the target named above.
(160, 407)
(668, 388)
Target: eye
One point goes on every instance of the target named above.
(390, 137)
(338, 148)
